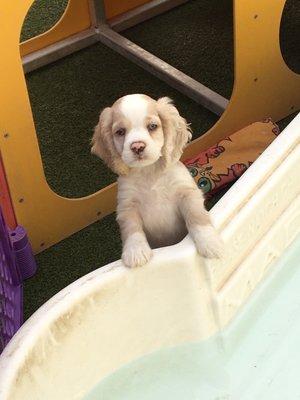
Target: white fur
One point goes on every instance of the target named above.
(155, 198)
(134, 107)
(151, 153)
(207, 241)
(136, 251)
(135, 110)
(158, 200)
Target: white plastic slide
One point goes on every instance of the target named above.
(114, 315)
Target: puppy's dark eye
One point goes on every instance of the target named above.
(152, 126)
(120, 132)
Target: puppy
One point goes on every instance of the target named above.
(141, 140)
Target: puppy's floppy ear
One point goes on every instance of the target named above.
(176, 130)
(103, 145)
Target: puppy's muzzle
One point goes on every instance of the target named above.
(138, 148)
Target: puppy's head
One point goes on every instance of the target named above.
(137, 131)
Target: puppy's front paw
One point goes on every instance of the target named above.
(136, 254)
(208, 242)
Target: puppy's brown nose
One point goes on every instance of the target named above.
(138, 147)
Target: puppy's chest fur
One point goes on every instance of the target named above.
(157, 203)
(163, 223)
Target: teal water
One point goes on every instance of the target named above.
(256, 358)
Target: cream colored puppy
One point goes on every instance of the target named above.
(142, 140)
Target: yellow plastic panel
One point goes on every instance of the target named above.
(47, 216)
(264, 86)
(76, 18)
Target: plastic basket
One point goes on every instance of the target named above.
(16, 264)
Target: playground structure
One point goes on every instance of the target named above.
(264, 86)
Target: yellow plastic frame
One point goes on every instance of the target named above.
(264, 86)
(76, 18)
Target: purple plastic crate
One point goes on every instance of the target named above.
(23, 252)
(16, 263)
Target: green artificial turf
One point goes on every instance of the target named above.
(67, 96)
